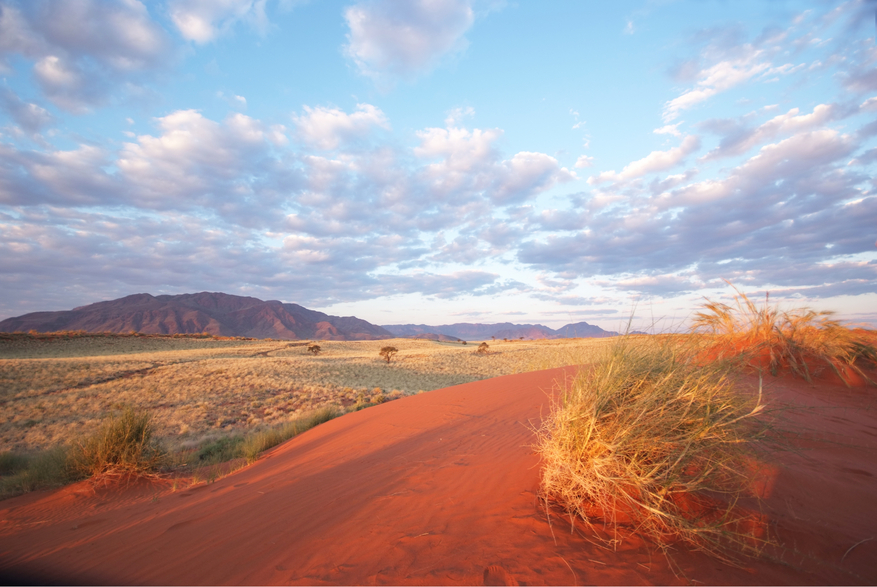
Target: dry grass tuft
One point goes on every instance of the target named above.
(649, 440)
(803, 340)
(123, 444)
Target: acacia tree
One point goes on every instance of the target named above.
(388, 351)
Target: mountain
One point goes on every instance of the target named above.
(467, 331)
(212, 313)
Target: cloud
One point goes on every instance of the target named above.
(81, 49)
(468, 162)
(651, 163)
(405, 38)
(669, 129)
(328, 128)
(717, 78)
(203, 20)
(30, 117)
(795, 203)
(584, 162)
(739, 140)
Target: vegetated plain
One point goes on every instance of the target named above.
(58, 387)
(666, 438)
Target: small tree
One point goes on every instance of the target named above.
(483, 348)
(314, 348)
(388, 351)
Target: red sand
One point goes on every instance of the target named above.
(440, 489)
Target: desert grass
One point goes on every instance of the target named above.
(652, 442)
(262, 440)
(124, 444)
(803, 340)
(52, 390)
(44, 469)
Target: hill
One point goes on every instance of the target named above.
(211, 313)
(468, 331)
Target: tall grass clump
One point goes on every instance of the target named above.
(804, 340)
(123, 444)
(261, 441)
(650, 440)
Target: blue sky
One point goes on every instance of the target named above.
(438, 161)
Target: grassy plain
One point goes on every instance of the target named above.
(56, 389)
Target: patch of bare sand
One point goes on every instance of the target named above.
(440, 488)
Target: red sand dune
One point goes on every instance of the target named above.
(440, 488)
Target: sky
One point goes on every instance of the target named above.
(441, 161)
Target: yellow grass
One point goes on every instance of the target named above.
(52, 391)
(638, 440)
(801, 339)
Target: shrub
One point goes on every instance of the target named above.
(641, 437)
(799, 339)
(124, 444)
(388, 351)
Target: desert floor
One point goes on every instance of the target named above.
(54, 390)
(441, 488)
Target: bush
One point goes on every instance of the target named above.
(124, 444)
(641, 437)
(801, 339)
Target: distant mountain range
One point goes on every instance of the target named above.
(467, 331)
(228, 315)
(212, 313)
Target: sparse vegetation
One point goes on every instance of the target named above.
(802, 340)
(206, 395)
(123, 444)
(388, 352)
(24, 473)
(261, 441)
(651, 440)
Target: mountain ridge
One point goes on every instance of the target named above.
(214, 313)
(478, 331)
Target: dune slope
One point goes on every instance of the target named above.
(439, 488)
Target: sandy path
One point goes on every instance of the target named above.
(437, 488)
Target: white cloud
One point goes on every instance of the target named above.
(584, 161)
(718, 78)
(81, 48)
(405, 38)
(654, 161)
(791, 122)
(328, 128)
(457, 115)
(203, 20)
(670, 129)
